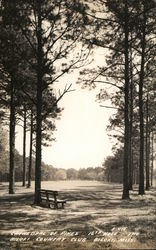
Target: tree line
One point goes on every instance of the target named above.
(113, 170)
(127, 30)
(37, 41)
(49, 173)
(41, 41)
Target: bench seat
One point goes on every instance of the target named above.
(49, 198)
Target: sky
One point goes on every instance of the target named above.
(81, 136)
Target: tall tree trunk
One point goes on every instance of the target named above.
(141, 115)
(125, 194)
(12, 140)
(152, 158)
(131, 126)
(39, 106)
(30, 153)
(147, 145)
(24, 146)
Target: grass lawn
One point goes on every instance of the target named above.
(95, 217)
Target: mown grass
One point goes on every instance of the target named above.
(91, 207)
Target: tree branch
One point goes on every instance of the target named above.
(109, 107)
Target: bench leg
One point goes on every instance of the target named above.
(55, 205)
(48, 204)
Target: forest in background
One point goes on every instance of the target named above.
(41, 41)
(110, 171)
(49, 173)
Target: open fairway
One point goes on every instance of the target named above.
(95, 217)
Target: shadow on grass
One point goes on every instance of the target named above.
(84, 209)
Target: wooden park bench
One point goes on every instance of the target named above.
(49, 198)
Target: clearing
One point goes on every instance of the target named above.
(95, 217)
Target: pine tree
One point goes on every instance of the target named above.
(56, 30)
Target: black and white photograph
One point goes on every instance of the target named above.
(77, 124)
